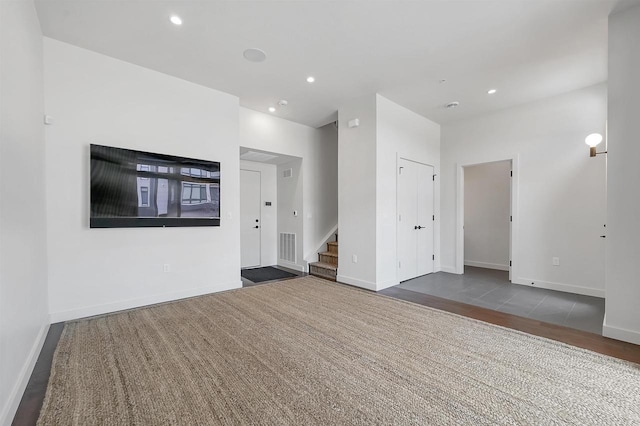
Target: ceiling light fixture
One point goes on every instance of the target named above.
(283, 103)
(491, 91)
(310, 79)
(452, 105)
(254, 55)
(272, 109)
(593, 140)
(176, 20)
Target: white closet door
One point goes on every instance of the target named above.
(426, 221)
(415, 219)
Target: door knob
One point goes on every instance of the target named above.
(256, 227)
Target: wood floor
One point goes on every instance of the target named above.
(582, 339)
(29, 408)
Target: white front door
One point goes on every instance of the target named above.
(249, 218)
(415, 219)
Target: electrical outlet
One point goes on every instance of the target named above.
(354, 258)
(166, 267)
(555, 261)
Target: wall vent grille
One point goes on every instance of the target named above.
(287, 247)
(287, 173)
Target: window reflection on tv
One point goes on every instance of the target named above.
(133, 188)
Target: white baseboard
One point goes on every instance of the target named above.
(569, 288)
(11, 405)
(356, 282)
(290, 265)
(497, 266)
(620, 333)
(448, 269)
(90, 311)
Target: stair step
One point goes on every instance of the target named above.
(330, 258)
(333, 247)
(324, 265)
(328, 253)
(323, 270)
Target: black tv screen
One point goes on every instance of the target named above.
(141, 189)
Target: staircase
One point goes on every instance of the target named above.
(327, 266)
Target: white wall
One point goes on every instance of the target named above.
(487, 207)
(400, 133)
(319, 150)
(23, 272)
(357, 193)
(96, 99)
(290, 199)
(368, 157)
(268, 214)
(622, 319)
(561, 200)
(323, 190)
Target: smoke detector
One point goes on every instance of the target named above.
(283, 103)
(254, 55)
(452, 105)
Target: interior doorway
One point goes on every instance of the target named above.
(250, 223)
(487, 215)
(487, 211)
(271, 210)
(416, 218)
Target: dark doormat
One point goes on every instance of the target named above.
(267, 273)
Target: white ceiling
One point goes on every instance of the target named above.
(527, 49)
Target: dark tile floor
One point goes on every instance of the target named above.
(491, 289)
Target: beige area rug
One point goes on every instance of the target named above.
(306, 351)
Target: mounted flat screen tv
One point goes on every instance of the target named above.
(141, 189)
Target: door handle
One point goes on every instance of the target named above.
(419, 227)
(256, 227)
(603, 236)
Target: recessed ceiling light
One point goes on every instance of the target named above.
(452, 104)
(272, 109)
(254, 55)
(176, 20)
(310, 79)
(491, 91)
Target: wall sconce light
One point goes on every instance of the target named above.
(593, 140)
